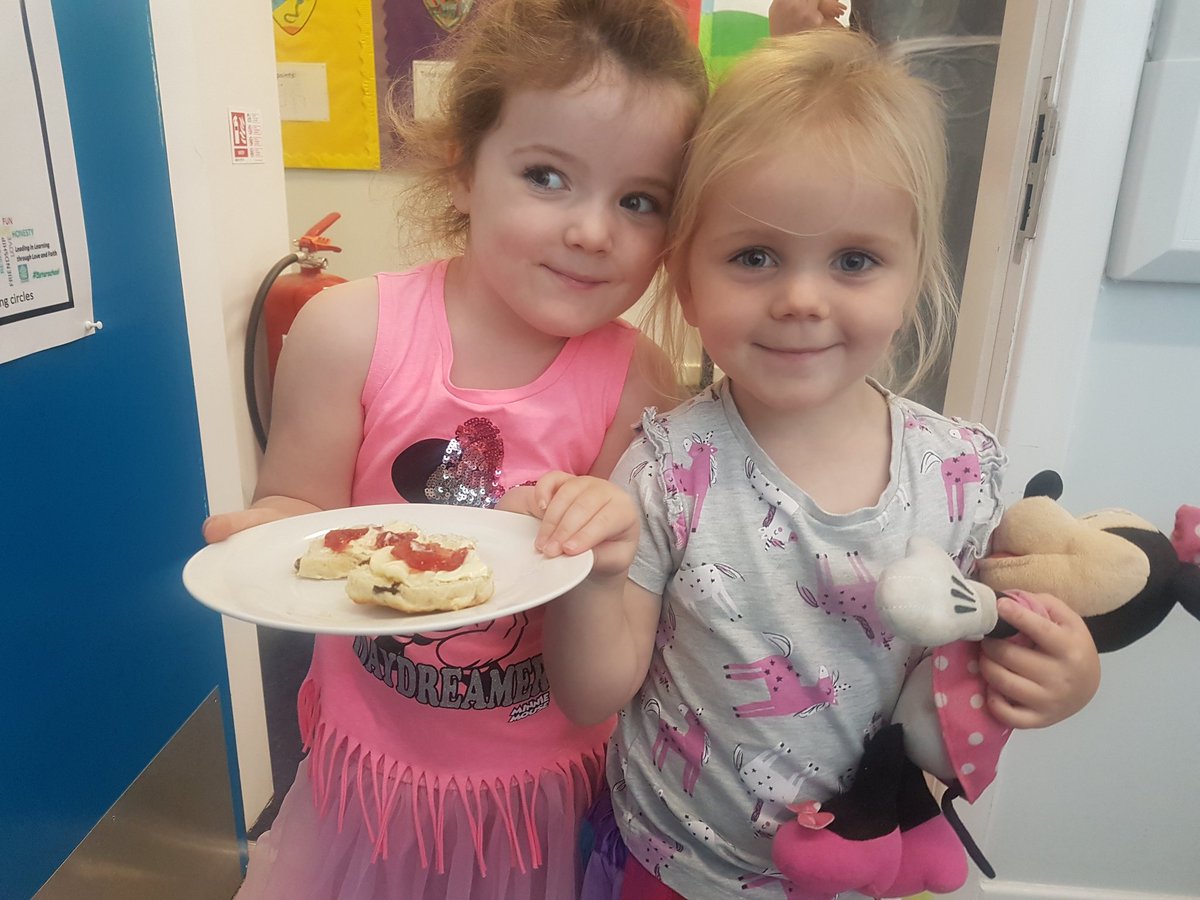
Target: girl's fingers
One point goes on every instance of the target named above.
(553, 496)
(1048, 688)
(519, 499)
(1017, 687)
(545, 489)
(1039, 629)
(1054, 632)
(1015, 701)
(606, 524)
(1011, 715)
(1062, 664)
(569, 512)
(1019, 658)
(219, 527)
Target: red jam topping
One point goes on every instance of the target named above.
(422, 557)
(339, 539)
(391, 538)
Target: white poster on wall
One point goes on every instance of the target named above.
(45, 278)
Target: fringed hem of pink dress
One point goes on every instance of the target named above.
(485, 842)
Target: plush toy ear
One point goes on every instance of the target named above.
(1184, 587)
(1047, 483)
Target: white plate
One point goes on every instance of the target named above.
(250, 576)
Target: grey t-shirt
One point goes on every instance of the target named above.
(770, 667)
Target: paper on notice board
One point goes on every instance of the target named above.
(45, 282)
(303, 92)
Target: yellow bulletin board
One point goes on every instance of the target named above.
(325, 58)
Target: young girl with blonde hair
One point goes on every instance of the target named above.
(553, 164)
(729, 616)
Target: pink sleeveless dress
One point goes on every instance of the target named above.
(438, 765)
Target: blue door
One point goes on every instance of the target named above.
(102, 492)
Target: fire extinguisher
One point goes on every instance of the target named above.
(278, 300)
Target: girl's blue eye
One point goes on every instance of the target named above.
(754, 258)
(640, 203)
(854, 262)
(544, 177)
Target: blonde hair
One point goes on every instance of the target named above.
(510, 45)
(839, 92)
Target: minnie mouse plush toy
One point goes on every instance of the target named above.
(886, 836)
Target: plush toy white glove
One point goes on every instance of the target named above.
(923, 598)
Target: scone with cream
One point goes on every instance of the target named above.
(425, 573)
(340, 551)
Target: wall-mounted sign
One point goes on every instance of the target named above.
(246, 136)
(45, 280)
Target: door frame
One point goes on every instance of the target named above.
(1019, 361)
(1029, 60)
(231, 221)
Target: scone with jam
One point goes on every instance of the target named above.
(423, 573)
(340, 551)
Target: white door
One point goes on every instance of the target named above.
(1020, 142)
(993, 62)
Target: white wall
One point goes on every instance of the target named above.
(1103, 389)
(231, 227)
(1107, 800)
(370, 231)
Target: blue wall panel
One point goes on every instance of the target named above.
(101, 490)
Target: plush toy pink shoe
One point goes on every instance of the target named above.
(851, 843)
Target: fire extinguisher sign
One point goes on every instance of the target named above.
(245, 136)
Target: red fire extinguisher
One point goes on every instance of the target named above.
(277, 302)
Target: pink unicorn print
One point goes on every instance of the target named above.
(772, 783)
(768, 492)
(675, 507)
(698, 585)
(692, 745)
(851, 599)
(917, 423)
(775, 537)
(789, 695)
(958, 471)
(663, 638)
(704, 833)
(694, 480)
(777, 881)
(654, 851)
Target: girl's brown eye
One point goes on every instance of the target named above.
(640, 203)
(545, 178)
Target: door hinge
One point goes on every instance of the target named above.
(1041, 148)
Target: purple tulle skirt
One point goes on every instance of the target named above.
(603, 851)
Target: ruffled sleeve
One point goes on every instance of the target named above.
(644, 471)
(993, 462)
